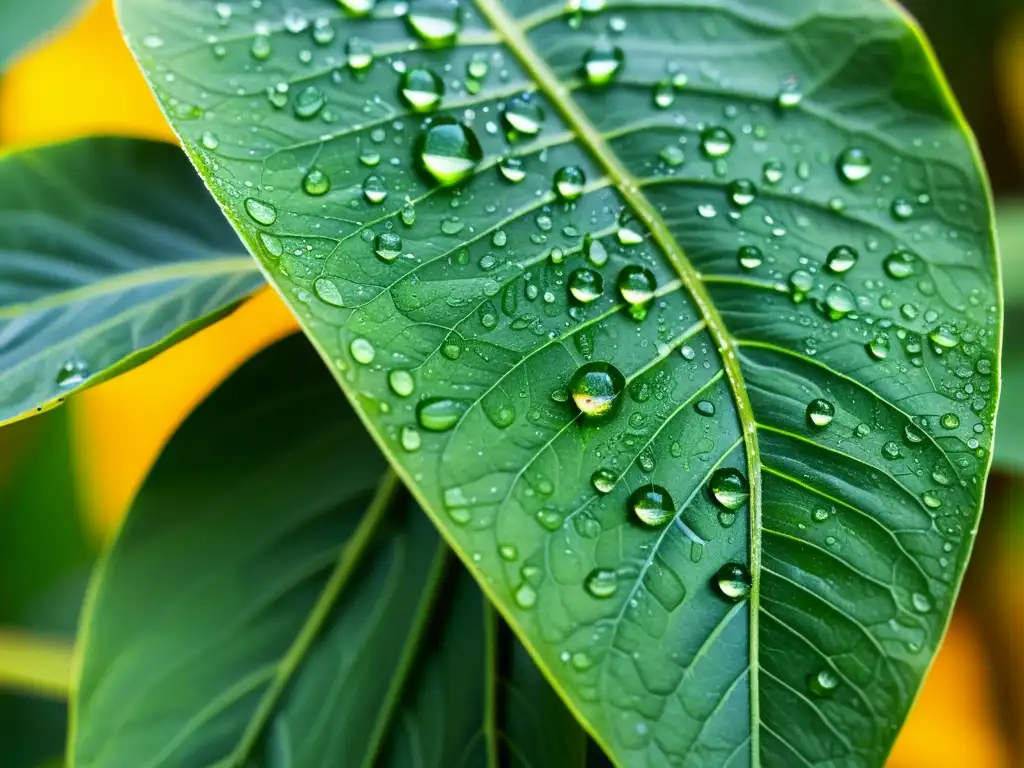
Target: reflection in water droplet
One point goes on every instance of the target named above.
(742, 192)
(602, 583)
(586, 285)
(823, 683)
(901, 264)
(316, 183)
(854, 165)
(358, 54)
(603, 481)
(448, 151)
(260, 212)
(568, 182)
(595, 388)
(637, 286)
(602, 62)
(841, 259)
(522, 115)
(435, 22)
(716, 142)
(729, 488)
(750, 257)
(421, 89)
(732, 582)
(72, 374)
(387, 246)
(652, 505)
(308, 102)
(820, 413)
(375, 190)
(362, 351)
(401, 382)
(513, 169)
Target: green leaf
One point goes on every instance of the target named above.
(263, 602)
(109, 253)
(1011, 249)
(22, 23)
(779, 411)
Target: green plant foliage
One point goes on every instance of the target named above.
(109, 252)
(265, 604)
(680, 319)
(22, 23)
(1011, 247)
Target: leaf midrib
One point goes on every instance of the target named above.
(514, 38)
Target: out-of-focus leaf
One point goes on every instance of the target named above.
(1010, 218)
(109, 251)
(472, 220)
(264, 602)
(22, 23)
(34, 663)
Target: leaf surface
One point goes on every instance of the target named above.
(799, 417)
(267, 604)
(109, 252)
(22, 23)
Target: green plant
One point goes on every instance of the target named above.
(681, 322)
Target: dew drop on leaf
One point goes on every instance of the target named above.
(375, 190)
(732, 581)
(729, 488)
(823, 683)
(586, 285)
(71, 374)
(602, 63)
(839, 302)
(637, 286)
(595, 388)
(401, 382)
(603, 481)
(435, 22)
(439, 414)
(387, 246)
(568, 182)
(716, 142)
(841, 259)
(316, 183)
(820, 413)
(448, 151)
(602, 583)
(410, 439)
(358, 54)
(652, 505)
(308, 102)
(704, 407)
(901, 264)
(421, 89)
(742, 192)
(260, 212)
(750, 257)
(512, 169)
(853, 165)
(522, 115)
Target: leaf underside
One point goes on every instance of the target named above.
(109, 252)
(791, 127)
(264, 605)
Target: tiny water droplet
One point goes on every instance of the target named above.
(513, 169)
(375, 189)
(742, 192)
(878, 347)
(597, 254)
(949, 421)
(823, 683)
(401, 382)
(358, 54)
(387, 246)
(526, 596)
(522, 115)
(854, 165)
(308, 102)
(839, 302)
(72, 374)
(637, 286)
(704, 407)
(901, 264)
(410, 439)
(750, 257)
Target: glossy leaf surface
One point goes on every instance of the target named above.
(109, 251)
(681, 319)
(22, 23)
(268, 603)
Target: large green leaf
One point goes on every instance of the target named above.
(821, 423)
(1011, 248)
(22, 23)
(109, 252)
(263, 603)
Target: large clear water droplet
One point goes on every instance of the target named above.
(362, 351)
(387, 246)
(421, 89)
(733, 582)
(602, 583)
(750, 257)
(839, 302)
(637, 286)
(72, 374)
(854, 165)
(448, 151)
(716, 142)
(308, 102)
(569, 182)
(901, 264)
(435, 22)
(729, 488)
(513, 169)
(260, 212)
(316, 183)
(823, 683)
(603, 481)
(439, 414)
(595, 388)
(841, 259)
(652, 505)
(523, 115)
(602, 63)
(742, 192)
(401, 382)
(820, 413)
(375, 189)
(586, 285)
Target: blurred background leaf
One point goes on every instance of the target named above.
(24, 23)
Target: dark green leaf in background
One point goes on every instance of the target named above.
(749, 240)
(23, 23)
(264, 604)
(109, 252)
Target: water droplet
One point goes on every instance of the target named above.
(637, 286)
(921, 602)
(750, 257)
(387, 246)
(568, 182)
(448, 151)
(435, 22)
(773, 171)
(931, 500)
(716, 142)
(891, 450)
(839, 302)
(664, 94)
(602, 583)
(260, 49)
(854, 165)
(801, 282)
(522, 115)
(586, 285)
(358, 54)
(944, 336)
(421, 89)
(72, 374)
(841, 259)
(401, 382)
(513, 169)
(603, 481)
(308, 102)
(672, 155)
(949, 421)
(823, 683)
(410, 439)
(820, 413)
(901, 264)
(362, 351)
(595, 388)
(729, 488)
(260, 212)
(742, 192)
(602, 62)
(704, 407)
(820, 515)
(439, 414)
(323, 32)
(789, 95)
(209, 140)
(878, 347)
(358, 7)
(653, 505)
(597, 254)
(508, 552)
(375, 190)
(901, 210)
(316, 183)
(733, 582)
